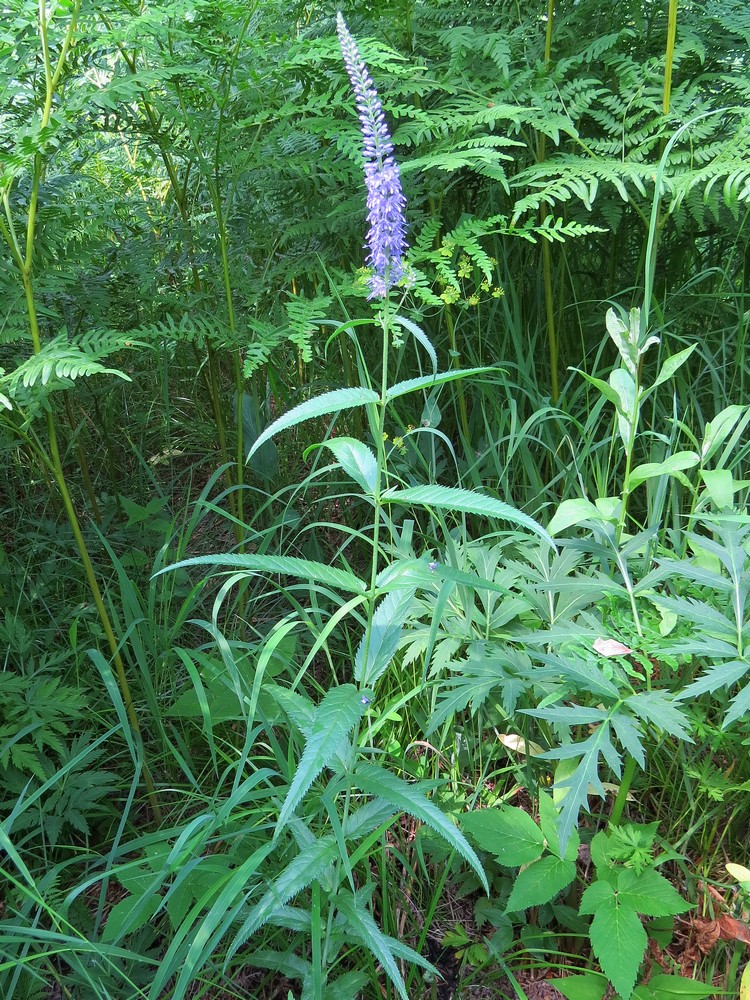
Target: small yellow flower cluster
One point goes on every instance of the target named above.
(458, 279)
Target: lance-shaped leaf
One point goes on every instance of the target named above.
(380, 646)
(305, 569)
(410, 799)
(364, 929)
(428, 381)
(357, 461)
(304, 869)
(329, 402)
(467, 502)
(334, 719)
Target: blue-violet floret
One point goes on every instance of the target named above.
(386, 237)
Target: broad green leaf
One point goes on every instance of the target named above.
(507, 832)
(664, 987)
(619, 942)
(428, 381)
(604, 387)
(572, 512)
(129, 915)
(304, 869)
(588, 986)
(671, 365)
(740, 873)
(333, 720)
(305, 569)
(625, 337)
(678, 462)
(265, 461)
(329, 402)
(649, 893)
(719, 675)
(465, 501)
(409, 798)
(419, 335)
(720, 486)
(385, 633)
(624, 386)
(540, 882)
(745, 984)
(357, 461)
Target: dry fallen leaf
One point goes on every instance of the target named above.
(733, 929)
(611, 647)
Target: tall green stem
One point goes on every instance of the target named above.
(24, 261)
(549, 301)
(669, 61)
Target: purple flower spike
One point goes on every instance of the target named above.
(386, 237)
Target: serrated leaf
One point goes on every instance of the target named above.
(428, 381)
(419, 335)
(328, 402)
(363, 928)
(385, 633)
(299, 873)
(508, 833)
(577, 786)
(540, 882)
(740, 705)
(333, 720)
(357, 461)
(409, 798)
(649, 893)
(548, 821)
(304, 569)
(619, 942)
(467, 502)
(659, 709)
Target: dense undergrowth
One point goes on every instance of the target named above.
(374, 648)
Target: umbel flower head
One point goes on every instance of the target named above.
(386, 237)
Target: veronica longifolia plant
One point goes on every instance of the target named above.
(386, 238)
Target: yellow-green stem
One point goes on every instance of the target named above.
(549, 301)
(669, 60)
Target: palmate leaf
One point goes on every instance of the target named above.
(334, 719)
(305, 569)
(329, 402)
(467, 502)
(575, 789)
(410, 799)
